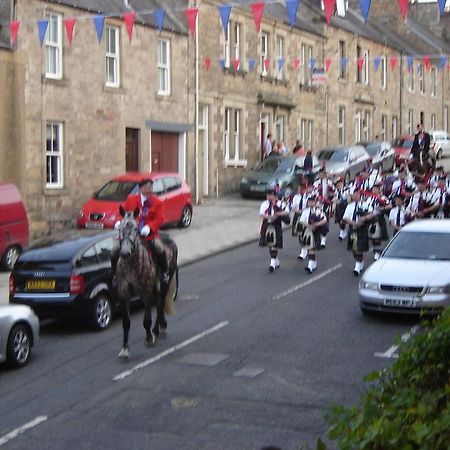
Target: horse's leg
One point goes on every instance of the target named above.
(150, 337)
(124, 352)
(161, 317)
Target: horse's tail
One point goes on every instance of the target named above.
(169, 305)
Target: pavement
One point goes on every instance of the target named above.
(218, 224)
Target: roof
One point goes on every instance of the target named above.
(429, 225)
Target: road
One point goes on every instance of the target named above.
(250, 359)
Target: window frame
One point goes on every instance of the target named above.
(54, 45)
(110, 56)
(421, 72)
(163, 68)
(433, 82)
(232, 137)
(265, 52)
(383, 72)
(341, 124)
(342, 55)
(51, 153)
(279, 49)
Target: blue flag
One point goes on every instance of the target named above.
(343, 62)
(280, 63)
(441, 6)
(365, 7)
(312, 63)
(225, 11)
(99, 22)
(159, 14)
(376, 62)
(443, 62)
(42, 28)
(292, 7)
(222, 63)
(251, 64)
(409, 62)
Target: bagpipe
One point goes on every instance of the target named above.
(270, 235)
(297, 227)
(308, 237)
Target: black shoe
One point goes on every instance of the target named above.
(322, 246)
(356, 273)
(271, 269)
(341, 238)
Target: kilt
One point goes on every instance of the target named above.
(381, 220)
(362, 239)
(339, 211)
(278, 234)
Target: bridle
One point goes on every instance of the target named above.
(128, 232)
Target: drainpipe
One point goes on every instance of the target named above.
(401, 93)
(197, 176)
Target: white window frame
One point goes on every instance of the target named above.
(433, 122)
(421, 71)
(265, 41)
(226, 134)
(411, 80)
(383, 72)
(410, 121)
(227, 47)
(53, 46)
(163, 67)
(359, 72)
(366, 68)
(112, 58)
(446, 118)
(433, 82)
(366, 125)
(342, 55)
(307, 133)
(232, 137)
(358, 126)
(394, 129)
(279, 55)
(54, 151)
(306, 54)
(279, 128)
(384, 127)
(237, 41)
(341, 125)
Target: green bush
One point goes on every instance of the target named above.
(407, 406)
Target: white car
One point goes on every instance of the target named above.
(412, 275)
(440, 143)
(19, 331)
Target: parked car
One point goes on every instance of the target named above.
(381, 153)
(402, 147)
(102, 210)
(19, 332)
(273, 170)
(440, 143)
(345, 162)
(14, 232)
(412, 275)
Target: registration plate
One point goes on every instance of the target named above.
(40, 284)
(258, 188)
(401, 303)
(94, 225)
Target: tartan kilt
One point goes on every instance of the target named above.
(278, 234)
(383, 227)
(339, 212)
(362, 236)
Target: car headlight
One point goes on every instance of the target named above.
(244, 180)
(367, 285)
(81, 213)
(438, 290)
(112, 218)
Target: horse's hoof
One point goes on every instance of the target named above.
(150, 340)
(124, 353)
(162, 332)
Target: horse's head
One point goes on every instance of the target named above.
(128, 232)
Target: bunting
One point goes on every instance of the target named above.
(251, 64)
(427, 62)
(99, 22)
(393, 62)
(443, 62)
(296, 63)
(360, 63)
(403, 5)
(42, 29)
(13, 30)
(129, 19)
(329, 6)
(364, 6)
(207, 63)
(292, 8)
(191, 17)
(257, 9)
(224, 11)
(327, 63)
(160, 15)
(343, 62)
(441, 4)
(236, 64)
(280, 63)
(410, 63)
(69, 24)
(376, 62)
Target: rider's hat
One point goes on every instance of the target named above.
(145, 181)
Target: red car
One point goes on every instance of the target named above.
(102, 210)
(402, 147)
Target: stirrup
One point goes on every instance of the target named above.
(165, 278)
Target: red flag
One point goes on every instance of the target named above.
(129, 18)
(13, 30)
(427, 62)
(403, 4)
(296, 63)
(69, 24)
(327, 64)
(266, 63)
(393, 62)
(329, 6)
(207, 63)
(236, 63)
(360, 63)
(258, 9)
(191, 16)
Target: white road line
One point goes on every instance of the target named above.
(306, 283)
(161, 355)
(13, 434)
(391, 352)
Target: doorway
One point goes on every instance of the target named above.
(132, 150)
(164, 152)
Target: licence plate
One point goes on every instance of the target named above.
(40, 284)
(94, 225)
(402, 303)
(258, 188)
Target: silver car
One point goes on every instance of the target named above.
(19, 331)
(413, 274)
(440, 143)
(382, 155)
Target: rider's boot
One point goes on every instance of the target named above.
(164, 266)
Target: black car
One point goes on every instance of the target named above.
(67, 277)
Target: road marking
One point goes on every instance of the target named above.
(161, 355)
(391, 352)
(306, 283)
(13, 434)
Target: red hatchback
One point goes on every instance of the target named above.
(402, 147)
(102, 210)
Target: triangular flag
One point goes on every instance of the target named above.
(236, 63)
(365, 7)
(280, 63)
(441, 6)
(207, 63)
(329, 6)
(403, 4)
(99, 22)
(343, 62)
(129, 19)
(327, 63)
(42, 28)
(191, 16)
(266, 63)
(13, 30)
(159, 14)
(443, 62)
(410, 62)
(312, 63)
(251, 63)
(222, 63)
(393, 62)
(258, 10)
(376, 62)
(360, 62)
(427, 62)
(225, 11)
(292, 7)
(69, 24)
(296, 63)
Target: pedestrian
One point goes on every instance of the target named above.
(308, 165)
(274, 213)
(398, 216)
(267, 145)
(298, 149)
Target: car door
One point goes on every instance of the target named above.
(173, 200)
(446, 145)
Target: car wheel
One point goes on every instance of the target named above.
(19, 345)
(186, 217)
(175, 294)
(10, 256)
(347, 178)
(102, 311)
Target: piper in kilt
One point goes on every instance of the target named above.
(298, 205)
(340, 202)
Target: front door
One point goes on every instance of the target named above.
(132, 150)
(164, 152)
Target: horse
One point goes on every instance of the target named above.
(138, 275)
(420, 166)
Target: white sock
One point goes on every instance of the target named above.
(311, 264)
(272, 262)
(277, 262)
(323, 240)
(314, 264)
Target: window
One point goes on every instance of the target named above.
(88, 258)
(158, 186)
(305, 61)
(358, 126)
(433, 121)
(433, 82)
(112, 56)
(358, 70)
(410, 121)
(446, 127)
(103, 249)
(384, 127)
(383, 72)
(366, 125)
(366, 67)
(342, 56)
(279, 128)
(264, 52)
(53, 47)
(163, 66)
(226, 47)
(54, 155)
(232, 45)
(237, 41)
(232, 135)
(341, 125)
(394, 130)
(411, 80)
(307, 133)
(172, 183)
(279, 56)
(421, 75)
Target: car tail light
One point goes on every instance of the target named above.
(77, 284)
(12, 286)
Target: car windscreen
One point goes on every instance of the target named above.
(420, 245)
(406, 143)
(116, 190)
(373, 149)
(285, 166)
(269, 165)
(338, 155)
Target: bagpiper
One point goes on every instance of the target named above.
(298, 205)
(323, 189)
(398, 215)
(340, 201)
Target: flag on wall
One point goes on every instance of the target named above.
(191, 16)
(42, 29)
(129, 19)
(159, 14)
(224, 11)
(292, 7)
(99, 22)
(257, 9)
(410, 62)
(13, 30)
(69, 24)
(376, 62)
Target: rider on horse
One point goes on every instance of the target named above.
(420, 158)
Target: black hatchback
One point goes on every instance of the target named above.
(67, 277)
